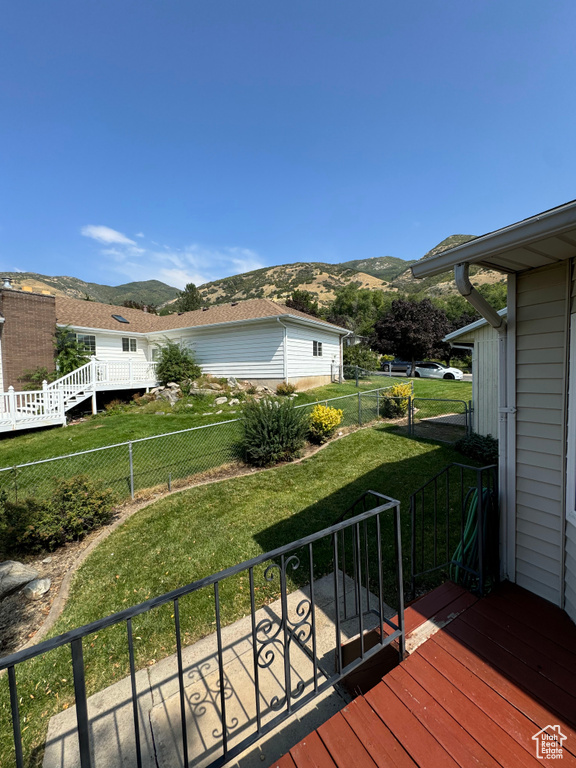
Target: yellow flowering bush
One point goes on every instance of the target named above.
(394, 402)
(323, 423)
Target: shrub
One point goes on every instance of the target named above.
(33, 379)
(482, 448)
(273, 431)
(70, 354)
(362, 356)
(177, 364)
(285, 390)
(394, 402)
(76, 506)
(323, 423)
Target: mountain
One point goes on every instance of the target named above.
(146, 292)
(386, 273)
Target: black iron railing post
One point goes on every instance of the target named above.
(81, 703)
(413, 547)
(15, 717)
(134, 694)
(400, 581)
(480, 515)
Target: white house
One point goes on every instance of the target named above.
(481, 340)
(259, 340)
(537, 382)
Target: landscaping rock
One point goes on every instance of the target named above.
(46, 560)
(14, 575)
(169, 395)
(234, 401)
(215, 386)
(217, 412)
(232, 382)
(220, 400)
(260, 389)
(35, 589)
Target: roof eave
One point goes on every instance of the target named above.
(548, 224)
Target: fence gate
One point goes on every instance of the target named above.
(444, 420)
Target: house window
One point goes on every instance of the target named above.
(317, 348)
(128, 345)
(88, 342)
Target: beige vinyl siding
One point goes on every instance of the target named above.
(540, 429)
(570, 533)
(254, 350)
(301, 361)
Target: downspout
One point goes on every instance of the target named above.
(285, 350)
(341, 372)
(507, 514)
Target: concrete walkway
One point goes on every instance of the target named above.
(111, 715)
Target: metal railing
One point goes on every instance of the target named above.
(351, 553)
(454, 527)
(164, 460)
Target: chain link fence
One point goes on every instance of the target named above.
(442, 420)
(163, 461)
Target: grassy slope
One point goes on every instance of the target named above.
(200, 531)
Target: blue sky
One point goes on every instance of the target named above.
(185, 140)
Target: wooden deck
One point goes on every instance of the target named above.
(472, 693)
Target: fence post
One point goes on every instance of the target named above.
(131, 461)
(469, 429)
(359, 405)
(410, 419)
(377, 403)
(356, 375)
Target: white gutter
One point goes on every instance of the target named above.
(507, 514)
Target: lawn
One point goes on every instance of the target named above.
(200, 531)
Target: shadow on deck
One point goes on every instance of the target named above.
(484, 677)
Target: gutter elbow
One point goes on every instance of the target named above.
(467, 290)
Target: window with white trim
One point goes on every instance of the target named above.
(317, 348)
(129, 345)
(88, 342)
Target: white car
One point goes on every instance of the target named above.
(435, 371)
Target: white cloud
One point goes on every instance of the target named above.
(139, 234)
(106, 235)
(194, 263)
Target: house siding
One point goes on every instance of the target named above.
(541, 313)
(301, 361)
(109, 346)
(251, 351)
(570, 532)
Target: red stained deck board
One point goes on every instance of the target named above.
(502, 712)
(557, 701)
(503, 685)
(445, 729)
(557, 633)
(311, 753)
(409, 731)
(536, 658)
(493, 738)
(344, 746)
(550, 618)
(438, 604)
(385, 750)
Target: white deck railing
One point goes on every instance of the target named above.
(20, 410)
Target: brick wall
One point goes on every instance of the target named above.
(27, 334)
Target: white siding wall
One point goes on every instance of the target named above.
(253, 350)
(485, 378)
(109, 346)
(570, 562)
(540, 429)
(301, 361)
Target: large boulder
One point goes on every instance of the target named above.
(14, 575)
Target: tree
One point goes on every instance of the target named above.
(303, 301)
(131, 304)
(69, 353)
(190, 299)
(357, 308)
(411, 330)
(176, 363)
(362, 356)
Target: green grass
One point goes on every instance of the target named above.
(177, 457)
(198, 532)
